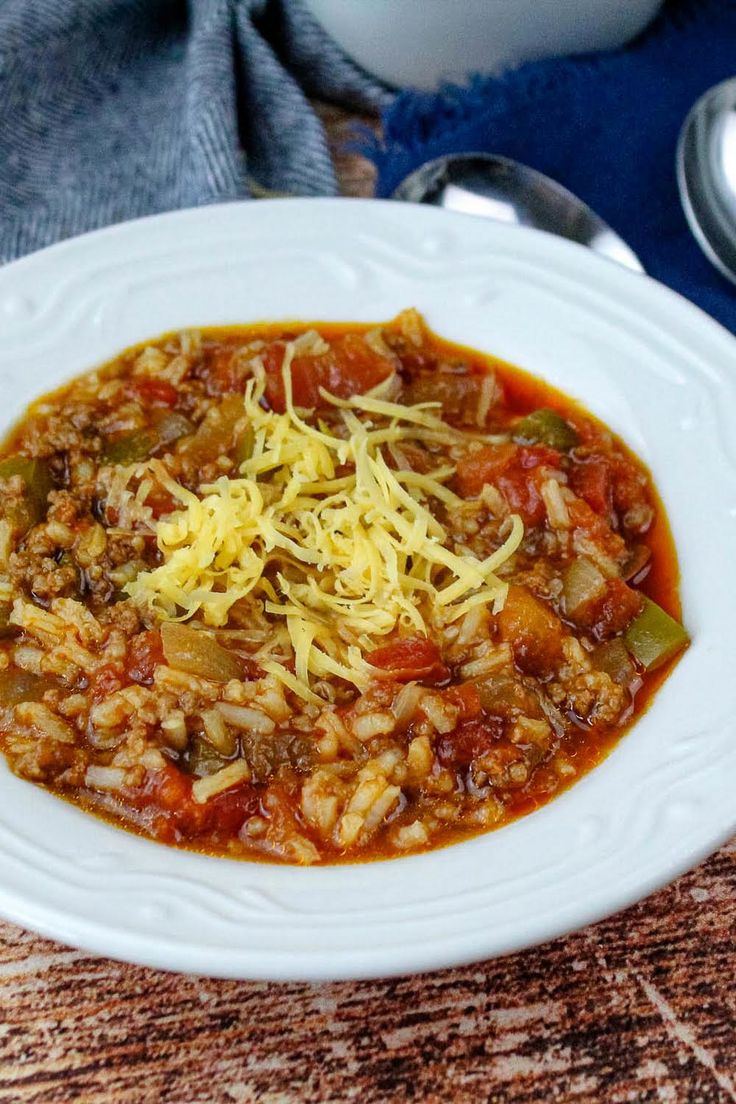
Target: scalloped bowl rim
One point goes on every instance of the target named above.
(653, 366)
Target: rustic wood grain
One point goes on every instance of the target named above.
(638, 1009)
(356, 175)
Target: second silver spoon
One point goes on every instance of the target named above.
(507, 191)
(706, 175)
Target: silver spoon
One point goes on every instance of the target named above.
(706, 174)
(504, 190)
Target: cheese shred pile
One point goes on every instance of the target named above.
(335, 544)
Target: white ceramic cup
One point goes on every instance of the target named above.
(421, 43)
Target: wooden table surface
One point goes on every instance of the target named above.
(639, 1008)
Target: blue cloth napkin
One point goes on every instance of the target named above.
(111, 109)
(605, 126)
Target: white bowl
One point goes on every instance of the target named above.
(423, 42)
(653, 366)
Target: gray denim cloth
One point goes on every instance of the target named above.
(111, 109)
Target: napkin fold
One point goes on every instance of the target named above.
(605, 126)
(110, 109)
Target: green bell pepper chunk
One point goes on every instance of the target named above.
(21, 686)
(244, 444)
(129, 448)
(653, 636)
(169, 426)
(546, 427)
(36, 476)
(202, 759)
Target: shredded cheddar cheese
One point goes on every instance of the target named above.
(334, 543)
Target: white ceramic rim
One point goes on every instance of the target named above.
(654, 367)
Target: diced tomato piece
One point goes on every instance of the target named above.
(596, 529)
(273, 358)
(359, 366)
(533, 631)
(630, 491)
(466, 697)
(161, 502)
(167, 798)
(350, 368)
(144, 655)
(413, 360)
(169, 792)
(227, 812)
(609, 481)
(162, 829)
(515, 470)
(469, 740)
(538, 456)
(458, 393)
(483, 466)
(283, 823)
(610, 613)
(415, 657)
(169, 789)
(419, 459)
(225, 372)
(592, 481)
(523, 495)
(251, 669)
(105, 681)
(590, 434)
(155, 392)
(173, 795)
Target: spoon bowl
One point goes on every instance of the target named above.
(507, 191)
(706, 175)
